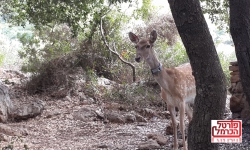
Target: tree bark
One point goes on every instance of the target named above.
(240, 31)
(210, 80)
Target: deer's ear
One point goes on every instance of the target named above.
(153, 37)
(133, 38)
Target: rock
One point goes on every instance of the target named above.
(102, 146)
(28, 111)
(140, 118)
(234, 73)
(166, 114)
(234, 63)
(235, 78)
(105, 83)
(114, 117)
(99, 114)
(180, 142)
(53, 113)
(149, 145)
(235, 103)
(62, 93)
(82, 96)
(238, 88)
(7, 130)
(84, 114)
(130, 118)
(233, 68)
(6, 105)
(232, 88)
(148, 112)
(158, 137)
(4, 137)
(169, 130)
(88, 101)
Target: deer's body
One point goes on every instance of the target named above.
(177, 84)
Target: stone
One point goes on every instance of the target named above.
(238, 88)
(149, 145)
(130, 118)
(148, 112)
(28, 111)
(169, 130)
(180, 142)
(166, 114)
(232, 88)
(114, 117)
(235, 104)
(233, 68)
(234, 63)
(99, 114)
(84, 114)
(102, 146)
(6, 105)
(62, 93)
(4, 137)
(234, 73)
(50, 114)
(235, 78)
(7, 130)
(160, 139)
(140, 118)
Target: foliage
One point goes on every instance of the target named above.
(1, 59)
(218, 11)
(77, 14)
(173, 56)
(136, 95)
(225, 61)
(45, 45)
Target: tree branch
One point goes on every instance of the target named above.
(114, 51)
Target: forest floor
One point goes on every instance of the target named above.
(69, 124)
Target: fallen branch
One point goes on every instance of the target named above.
(115, 51)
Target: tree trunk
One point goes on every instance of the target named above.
(210, 80)
(240, 31)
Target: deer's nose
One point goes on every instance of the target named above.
(137, 59)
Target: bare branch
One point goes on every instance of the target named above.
(114, 51)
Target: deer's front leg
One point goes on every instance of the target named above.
(171, 109)
(182, 124)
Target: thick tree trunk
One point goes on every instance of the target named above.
(240, 31)
(210, 80)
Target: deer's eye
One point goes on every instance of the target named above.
(148, 46)
(136, 46)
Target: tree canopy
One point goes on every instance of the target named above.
(76, 13)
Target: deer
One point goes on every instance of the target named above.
(177, 84)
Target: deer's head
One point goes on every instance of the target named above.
(143, 46)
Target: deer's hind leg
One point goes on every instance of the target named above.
(171, 109)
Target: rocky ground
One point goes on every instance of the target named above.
(77, 121)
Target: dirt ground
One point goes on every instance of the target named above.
(68, 124)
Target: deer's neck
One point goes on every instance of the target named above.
(161, 77)
(152, 61)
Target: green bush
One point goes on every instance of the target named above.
(225, 63)
(45, 45)
(1, 59)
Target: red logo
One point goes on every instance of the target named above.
(226, 131)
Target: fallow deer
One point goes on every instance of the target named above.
(177, 84)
